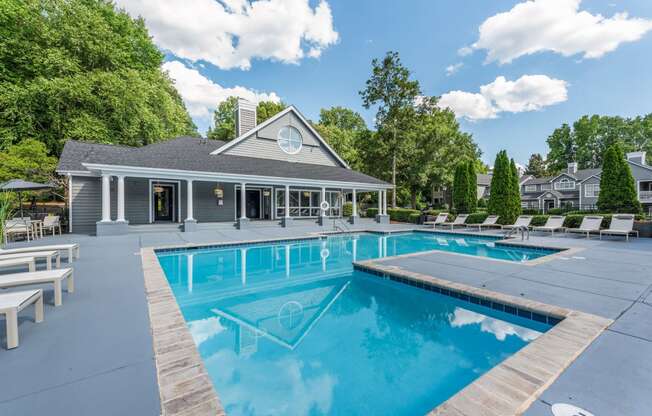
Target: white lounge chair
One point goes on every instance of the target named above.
(48, 256)
(459, 220)
(489, 222)
(30, 262)
(590, 224)
(441, 218)
(521, 221)
(56, 277)
(621, 224)
(52, 222)
(553, 223)
(71, 249)
(14, 302)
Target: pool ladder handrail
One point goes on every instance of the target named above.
(524, 230)
(344, 228)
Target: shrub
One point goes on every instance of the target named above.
(617, 186)
(401, 214)
(371, 212)
(556, 211)
(482, 203)
(530, 211)
(461, 188)
(347, 209)
(504, 199)
(414, 218)
(477, 217)
(539, 220)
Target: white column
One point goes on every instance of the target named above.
(380, 202)
(323, 198)
(121, 198)
(106, 198)
(243, 200)
(189, 214)
(385, 202)
(354, 211)
(287, 201)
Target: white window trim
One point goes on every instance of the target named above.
(530, 188)
(592, 187)
(289, 140)
(565, 180)
(178, 198)
(546, 187)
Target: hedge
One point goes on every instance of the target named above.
(401, 214)
(539, 220)
(477, 218)
(414, 218)
(371, 212)
(347, 209)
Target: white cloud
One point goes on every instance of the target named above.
(230, 33)
(528, 93)
(464, 51)
(201, 95)
(451, 69)
(558, 26)
(500, 329)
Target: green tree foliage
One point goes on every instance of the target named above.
(514, 190)
(343, 129)
(27, 160)
(461, 188)
(536, 166)
(392, 90)
(224, 117)
(82, 69)
(501, 199)
(473, 186)
(589, 138)
(617, 186)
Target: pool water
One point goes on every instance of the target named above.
(291, 329)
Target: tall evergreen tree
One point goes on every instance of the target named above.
(473, 186)
(536, 166)
(617, 186)
(502, 200)
(515, 192)
(460, 189)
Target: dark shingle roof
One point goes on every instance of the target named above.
(193, 154)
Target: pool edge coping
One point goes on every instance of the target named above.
(185, 388)
(511, 387)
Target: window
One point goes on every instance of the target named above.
(290, 140)
(592, 190)
(305, 203)
(565, 184)
(545, 187)
(530, 188)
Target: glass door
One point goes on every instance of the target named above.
(163, 202)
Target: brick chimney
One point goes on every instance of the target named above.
(636, 157)
(245, 117)
(572, 168)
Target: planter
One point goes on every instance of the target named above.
(644, 228)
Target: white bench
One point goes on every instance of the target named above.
(14, 302)
(30, 262)
(47, 255)
(56, 277)
(72, 250)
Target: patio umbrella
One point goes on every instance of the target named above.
(19, 185)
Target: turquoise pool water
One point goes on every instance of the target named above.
(291, 329)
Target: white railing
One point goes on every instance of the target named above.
(645, 195)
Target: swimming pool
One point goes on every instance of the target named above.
(289, 328)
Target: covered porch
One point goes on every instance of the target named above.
(135, 198)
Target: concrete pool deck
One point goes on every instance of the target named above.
(94, 355)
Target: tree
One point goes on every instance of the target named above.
(501, 199)
(617, 186)
(461, 188)
(342, 118)
(514, 191)
(224, 117)
(391, 88)
(536, 166)
(85, 70)
(472, 187)
(343, 129)
(27, 160)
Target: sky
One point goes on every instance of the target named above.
(511, 70)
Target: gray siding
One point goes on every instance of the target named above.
(85, 198)
(589, 200)
(205, 204)
(263, 144)
(136, 200)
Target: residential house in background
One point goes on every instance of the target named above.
(579, 188)
(280, 170)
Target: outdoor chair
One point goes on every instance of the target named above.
(590, 224)
(16, 227)
(52, 222)
(56, 277)
(72, 249)
(441, 218)
(554, 223)
(621, 224)
(14, 302)
(521, 221)
(490, 222)
(459, 220)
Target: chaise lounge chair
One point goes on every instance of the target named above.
(72, 250)
(621, 224)
(56, 277)
(14, 302)
(590, 224)
(441, 218)
(521, 221)
(459, 220)
(554, 223)
(489, 222)
(48, 256)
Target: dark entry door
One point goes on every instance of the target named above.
(163, 202)
(549, 204)
(252, 204)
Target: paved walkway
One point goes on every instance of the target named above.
(94, 354)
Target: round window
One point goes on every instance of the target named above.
(290, 140)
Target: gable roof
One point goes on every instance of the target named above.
(579, 176)
(194, 154)
(271, 120)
